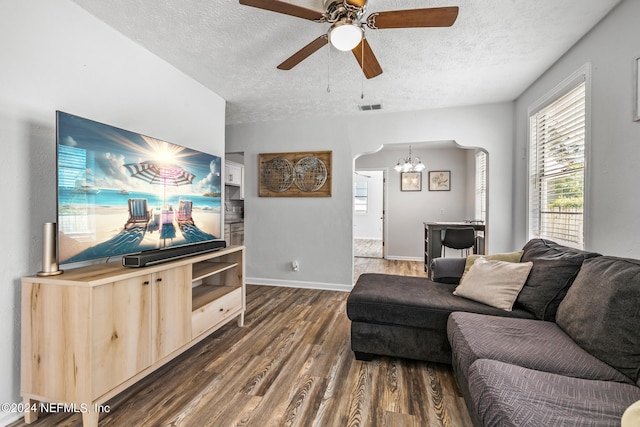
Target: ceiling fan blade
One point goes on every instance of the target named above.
(304, 53)
(414, 18)
(286, 8)
(370, 66)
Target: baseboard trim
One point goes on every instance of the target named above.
(10, 418)
(404, 258)
(298, 284)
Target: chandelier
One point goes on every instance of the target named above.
(409, 164)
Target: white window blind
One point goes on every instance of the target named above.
(361, 201)
(557, 163)
(481, 186)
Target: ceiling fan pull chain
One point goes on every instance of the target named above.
(329, 68)
(362, 66)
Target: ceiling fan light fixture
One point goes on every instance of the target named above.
(345, 35)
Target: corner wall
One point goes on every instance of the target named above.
(318, 232)
(56, 56)
(612, 202)
(406, 211)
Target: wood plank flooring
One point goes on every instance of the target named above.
(367, 248)
(291, 365)
(373, 265)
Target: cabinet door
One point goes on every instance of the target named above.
(121, 324)
(171, 311)
(233, 174)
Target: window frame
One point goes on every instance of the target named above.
(581, 75)
(361, 198)
(481, 180)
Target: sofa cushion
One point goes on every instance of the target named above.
(446, 270)
(411, 301)
(554, 269)
(496, 283)
(505, 395)
(533, 344)
(601, 312)
(507, 257)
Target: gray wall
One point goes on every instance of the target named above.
(613, 203)
(318, 232)
(55, 56)
(408, 210)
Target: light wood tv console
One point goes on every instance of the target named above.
(91, 332)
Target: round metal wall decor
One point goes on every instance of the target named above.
(310, 174)
(309, 170)
(277, 174)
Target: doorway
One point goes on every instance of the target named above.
(406, 211)
(369, 214)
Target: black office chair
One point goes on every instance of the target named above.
(461, 238)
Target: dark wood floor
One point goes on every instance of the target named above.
(291, 365)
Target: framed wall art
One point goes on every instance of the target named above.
(411, 181)
(439, 180)
(299, 174)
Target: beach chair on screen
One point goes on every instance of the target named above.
(184, 211)
(139, 213)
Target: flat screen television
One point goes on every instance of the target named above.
(120, 192)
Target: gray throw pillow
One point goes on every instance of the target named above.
(554, 269)
(601, 312)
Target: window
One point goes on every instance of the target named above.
(481, 186)
(556, 167)
(361, 197)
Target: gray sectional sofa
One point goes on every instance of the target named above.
(568, 354)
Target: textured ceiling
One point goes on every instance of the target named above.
(493, 52)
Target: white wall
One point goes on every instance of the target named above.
(369, 225)
(55, 56)
(407, 211)
(318, 232)
(613, 205)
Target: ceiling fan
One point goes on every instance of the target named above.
(347, 27)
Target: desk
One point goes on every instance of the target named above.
(433, 239)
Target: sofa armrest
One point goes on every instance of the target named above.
(446, 270)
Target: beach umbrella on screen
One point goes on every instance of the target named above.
(155, 173)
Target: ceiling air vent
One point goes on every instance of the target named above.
(370, 107)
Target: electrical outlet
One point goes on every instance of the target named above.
(295, 266)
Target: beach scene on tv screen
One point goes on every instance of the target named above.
(120, 192)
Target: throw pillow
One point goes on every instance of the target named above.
(631, 416)
(601, 312)
(507, 257)
(554, 269)
(495, 283)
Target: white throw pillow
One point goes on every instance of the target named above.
(495, 283)
(631, 416)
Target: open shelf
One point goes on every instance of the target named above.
(159, 311)
(204, 294)
(206, 269)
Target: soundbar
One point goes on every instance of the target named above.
(157, 256)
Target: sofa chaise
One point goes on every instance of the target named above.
(566, 353)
